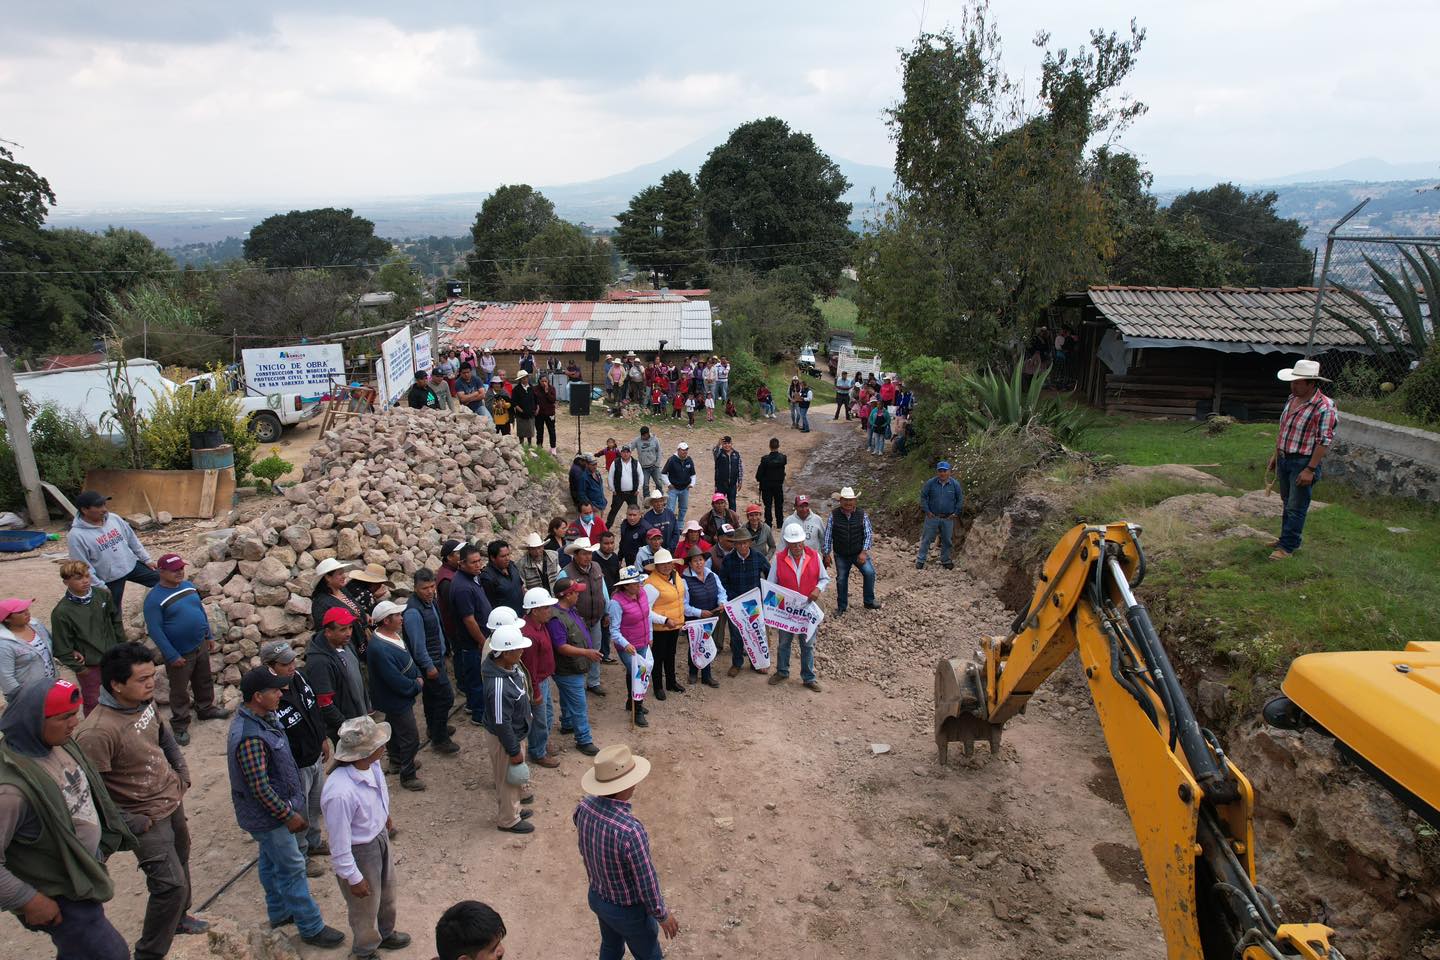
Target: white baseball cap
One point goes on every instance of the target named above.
(384, 609)
(538, 597)
(794, 533)
(683, 446)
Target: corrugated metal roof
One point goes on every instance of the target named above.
(563, 326)
(1261, 315)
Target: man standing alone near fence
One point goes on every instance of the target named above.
(1307, 429)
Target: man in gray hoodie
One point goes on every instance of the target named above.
(647, 452)
(106, 542)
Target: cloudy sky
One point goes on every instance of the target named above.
(186, 101)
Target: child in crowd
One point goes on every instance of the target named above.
(709, 407)
(690, 408)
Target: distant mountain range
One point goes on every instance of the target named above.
(1406, 201)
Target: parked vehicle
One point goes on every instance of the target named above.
(86, 390)
(268, 414)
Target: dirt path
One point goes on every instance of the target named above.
(777, 831)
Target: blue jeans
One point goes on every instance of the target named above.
(942, 527)
(84, 933)
(768, 407)
(805, 419)
(573, 711)
(282, 876)
(722, 391)
(140, 574)
(807, 656)
(467, 678)
(1296, 497)
(794, 414)
(622, 927)
(842, 581)
(679, 503)
(875, 441)
(540, 723)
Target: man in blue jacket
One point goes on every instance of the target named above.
(394, 684)
(425, 637)
(942, 499)
(176, 621)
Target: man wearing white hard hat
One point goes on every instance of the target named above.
(506, 701)
(539, 660)
(394, 684)
(1307, 429)
(797, 568)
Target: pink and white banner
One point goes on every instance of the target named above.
(789, 611)
(749, 621)
(642, 663)
(702, 641)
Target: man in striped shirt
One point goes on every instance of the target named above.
(624, 889)
(1307, 429)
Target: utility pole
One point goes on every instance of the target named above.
(20, 443)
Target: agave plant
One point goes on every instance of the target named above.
(1414, 296)
(998, 400)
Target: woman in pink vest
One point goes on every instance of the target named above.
(631, 632)
(798, 568)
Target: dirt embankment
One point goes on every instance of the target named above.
(1335, 847)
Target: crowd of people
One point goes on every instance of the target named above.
(882, 406)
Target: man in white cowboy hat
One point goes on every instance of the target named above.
(538, 566)
(661, 516)
(591, 603)
(624, 888)
(848, 538)
(356, 804)
(1307, 429)
(798, 568)
(394, 684)
(507, 723)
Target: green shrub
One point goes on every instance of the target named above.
(166, 434)
(990, 463)
(746, 376)
(267, 471)
(65, 446)
(1359, 378)
(1420, 393)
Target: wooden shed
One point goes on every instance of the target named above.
(1187, 352)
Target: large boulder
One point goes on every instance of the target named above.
(272, 573)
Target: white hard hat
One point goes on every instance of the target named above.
(794, 533)
(538, 597)
(499, 617)
(507, 637)
(384, 609)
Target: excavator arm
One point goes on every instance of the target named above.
(1191, 808)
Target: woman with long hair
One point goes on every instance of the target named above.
(329, 592)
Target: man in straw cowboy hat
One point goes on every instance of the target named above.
(506, 696)
(356, 804)
(1307, 429)
(848, 537)
(624, 888)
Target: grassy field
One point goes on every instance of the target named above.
(1355, 584)
(1385, 408)
(841, 313)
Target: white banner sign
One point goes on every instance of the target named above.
(745, 613)
(422, 350)
(642, 663)
(291, 369)
(790, 611)
(702, 641)
(397, 365)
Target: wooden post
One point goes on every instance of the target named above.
(1219, 382)
(20, 442)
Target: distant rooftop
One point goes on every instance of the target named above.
(563, 326)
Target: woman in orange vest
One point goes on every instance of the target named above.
(798, 568)
(665, 589)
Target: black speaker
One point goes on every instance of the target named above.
(580, 396)
(592, 350)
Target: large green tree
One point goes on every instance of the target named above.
(315, 238)
(994, 214)
(559, 263)
(662, 232)
(508, 220)
(770, 198)
(1269, 245)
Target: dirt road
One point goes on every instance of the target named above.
(777, 828)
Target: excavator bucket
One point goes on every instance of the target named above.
(960, 708)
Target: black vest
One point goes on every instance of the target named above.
(847, 535)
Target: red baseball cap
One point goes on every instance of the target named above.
(337, 615)
(801, 499)
(64, 697)
(654, 532)
(171, 561)
(754, 508)
(718, 497)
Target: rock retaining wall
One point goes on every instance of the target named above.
(1382, 458)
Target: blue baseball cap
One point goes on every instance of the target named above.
(943, 465)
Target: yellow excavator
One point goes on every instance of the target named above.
(1191, 807)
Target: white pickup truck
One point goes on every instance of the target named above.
(268, 414)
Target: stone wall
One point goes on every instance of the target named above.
(1381, 458)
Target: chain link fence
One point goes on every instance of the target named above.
(1389, 378)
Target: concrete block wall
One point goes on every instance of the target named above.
(1385, 459)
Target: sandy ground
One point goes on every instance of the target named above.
(778, 832)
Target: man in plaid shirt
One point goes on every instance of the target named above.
(624, 889)
(1307, 429)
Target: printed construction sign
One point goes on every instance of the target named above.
(789, 611)
(702, 641)
(641, 664)
(397, 365)
(749, 621)
(422, 350)
(290, 369)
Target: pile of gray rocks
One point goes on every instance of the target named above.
(386, 488)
